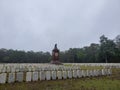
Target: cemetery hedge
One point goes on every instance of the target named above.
(107, 50)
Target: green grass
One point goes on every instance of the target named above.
(97, 83)
(90, 67)
(86, 67)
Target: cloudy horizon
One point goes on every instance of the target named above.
(38, 24)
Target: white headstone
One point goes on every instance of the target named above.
(42, 75)
(79, 73)
(95, 72)
(100, 72)
(87, 73)
(48, 75)
(8, 69)
(28, 76)
(53, 75)
(35, 76)
(70, 74)
(29, 69)
(3, 69)
(12, 69)
(74, 73)
(103, 72)
(22, 69)
(33, 69)
(19, 76)
(106, 73)
(59, 74)
(64, 75)
(11, 77)
(91, 73)
(83, 73)
(3, 78)
(17, 69)
(109, 71)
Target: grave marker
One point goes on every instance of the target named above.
(53, 75)
(11, 77)
(28, 76)
(19, 76)
(70, 74)
(48, 75)
(35, 76)
(3, 78)
(42, 75)
(59, 74)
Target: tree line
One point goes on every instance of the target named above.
(107, 51)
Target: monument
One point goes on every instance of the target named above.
(55, 56)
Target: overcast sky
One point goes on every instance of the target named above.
(38, 24)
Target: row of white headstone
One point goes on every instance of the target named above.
(50, 75)
(7, 68)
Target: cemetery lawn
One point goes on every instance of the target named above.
(95, 83)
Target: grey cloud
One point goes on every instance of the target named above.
(39, 24)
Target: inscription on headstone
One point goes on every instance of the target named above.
(35, 76)
(70, 74)
(79, 74)
(19, 76)
(53, 75)
(42, 75)
(59, 74)
(11, 77)
(48, 75)
(74, 73)
(64, 75)
(28, 76)
(3, 78)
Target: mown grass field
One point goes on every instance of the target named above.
(97, 83)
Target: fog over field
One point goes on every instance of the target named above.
(39, 24)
